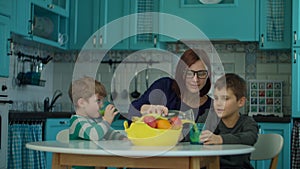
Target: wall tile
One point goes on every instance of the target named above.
(242, 58)
(266, 68)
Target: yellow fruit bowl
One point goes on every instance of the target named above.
(140, 134)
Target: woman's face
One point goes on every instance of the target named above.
(196, 76)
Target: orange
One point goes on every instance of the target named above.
(163, 124)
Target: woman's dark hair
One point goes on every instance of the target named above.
(188, 58)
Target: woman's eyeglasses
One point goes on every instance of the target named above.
(201, 74)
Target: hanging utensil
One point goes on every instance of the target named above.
(124, 93)
(147, 77)
(114, 93)
(135, 94)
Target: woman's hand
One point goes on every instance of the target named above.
(156, 109)
(207, 137)
(110, 113)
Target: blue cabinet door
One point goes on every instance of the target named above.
(275, 24)
(295, 62)
(144, 23)
(106, 25)
(296, 23)
(21, 17)
(120, 32)
(35, 22)
(52, 127)
(284, 129)
(235, 20)
(5, 7)
(4, 57)
(81, 22)
(295, 82)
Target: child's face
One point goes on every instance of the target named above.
(226, 103)
(92, 107)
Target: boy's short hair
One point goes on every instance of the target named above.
(85, 88)
(233, 82)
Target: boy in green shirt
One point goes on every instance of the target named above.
(87, 95)
(233, 128)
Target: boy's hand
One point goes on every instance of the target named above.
(207, 137)
(110, 113)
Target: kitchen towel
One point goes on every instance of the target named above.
(18, 155)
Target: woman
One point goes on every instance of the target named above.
(187, 91)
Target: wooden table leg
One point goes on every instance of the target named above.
(195, 162)
(212, 162)
(56, 162)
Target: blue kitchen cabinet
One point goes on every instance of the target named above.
(84, 22)
(4, 46)
(230, 20)
(294, 60)
(284, 129)
(52, 127)
(106, 27)
(21, 17)
(120, 32)
(88, 21)
(35, 22)
(126, 32)
(144, 23)
(275, 24)
(5, 8)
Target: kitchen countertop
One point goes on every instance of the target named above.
(23, 116)
(272, 119)
(20, 115)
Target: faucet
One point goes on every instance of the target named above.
(48, 106)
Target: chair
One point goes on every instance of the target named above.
(63, 136)
(268, 146)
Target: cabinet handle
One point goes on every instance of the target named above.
(155, 40)
(50, 6)
(262, 40)
(295, 56)
(295, 37)
(62, 122)
(9, 46)
(101, 41)
(94, 40)
(30, 27)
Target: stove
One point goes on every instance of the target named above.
(4, 107)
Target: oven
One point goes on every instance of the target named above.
(4, 107)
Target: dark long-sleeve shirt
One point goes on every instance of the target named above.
(244, 132)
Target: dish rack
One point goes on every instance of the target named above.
(265, 97)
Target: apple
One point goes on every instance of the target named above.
(150, 120)
(176, 122)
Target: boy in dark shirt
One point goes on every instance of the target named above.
(233, 128)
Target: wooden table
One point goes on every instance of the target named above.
(118, 153)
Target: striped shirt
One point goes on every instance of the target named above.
(92, 129)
